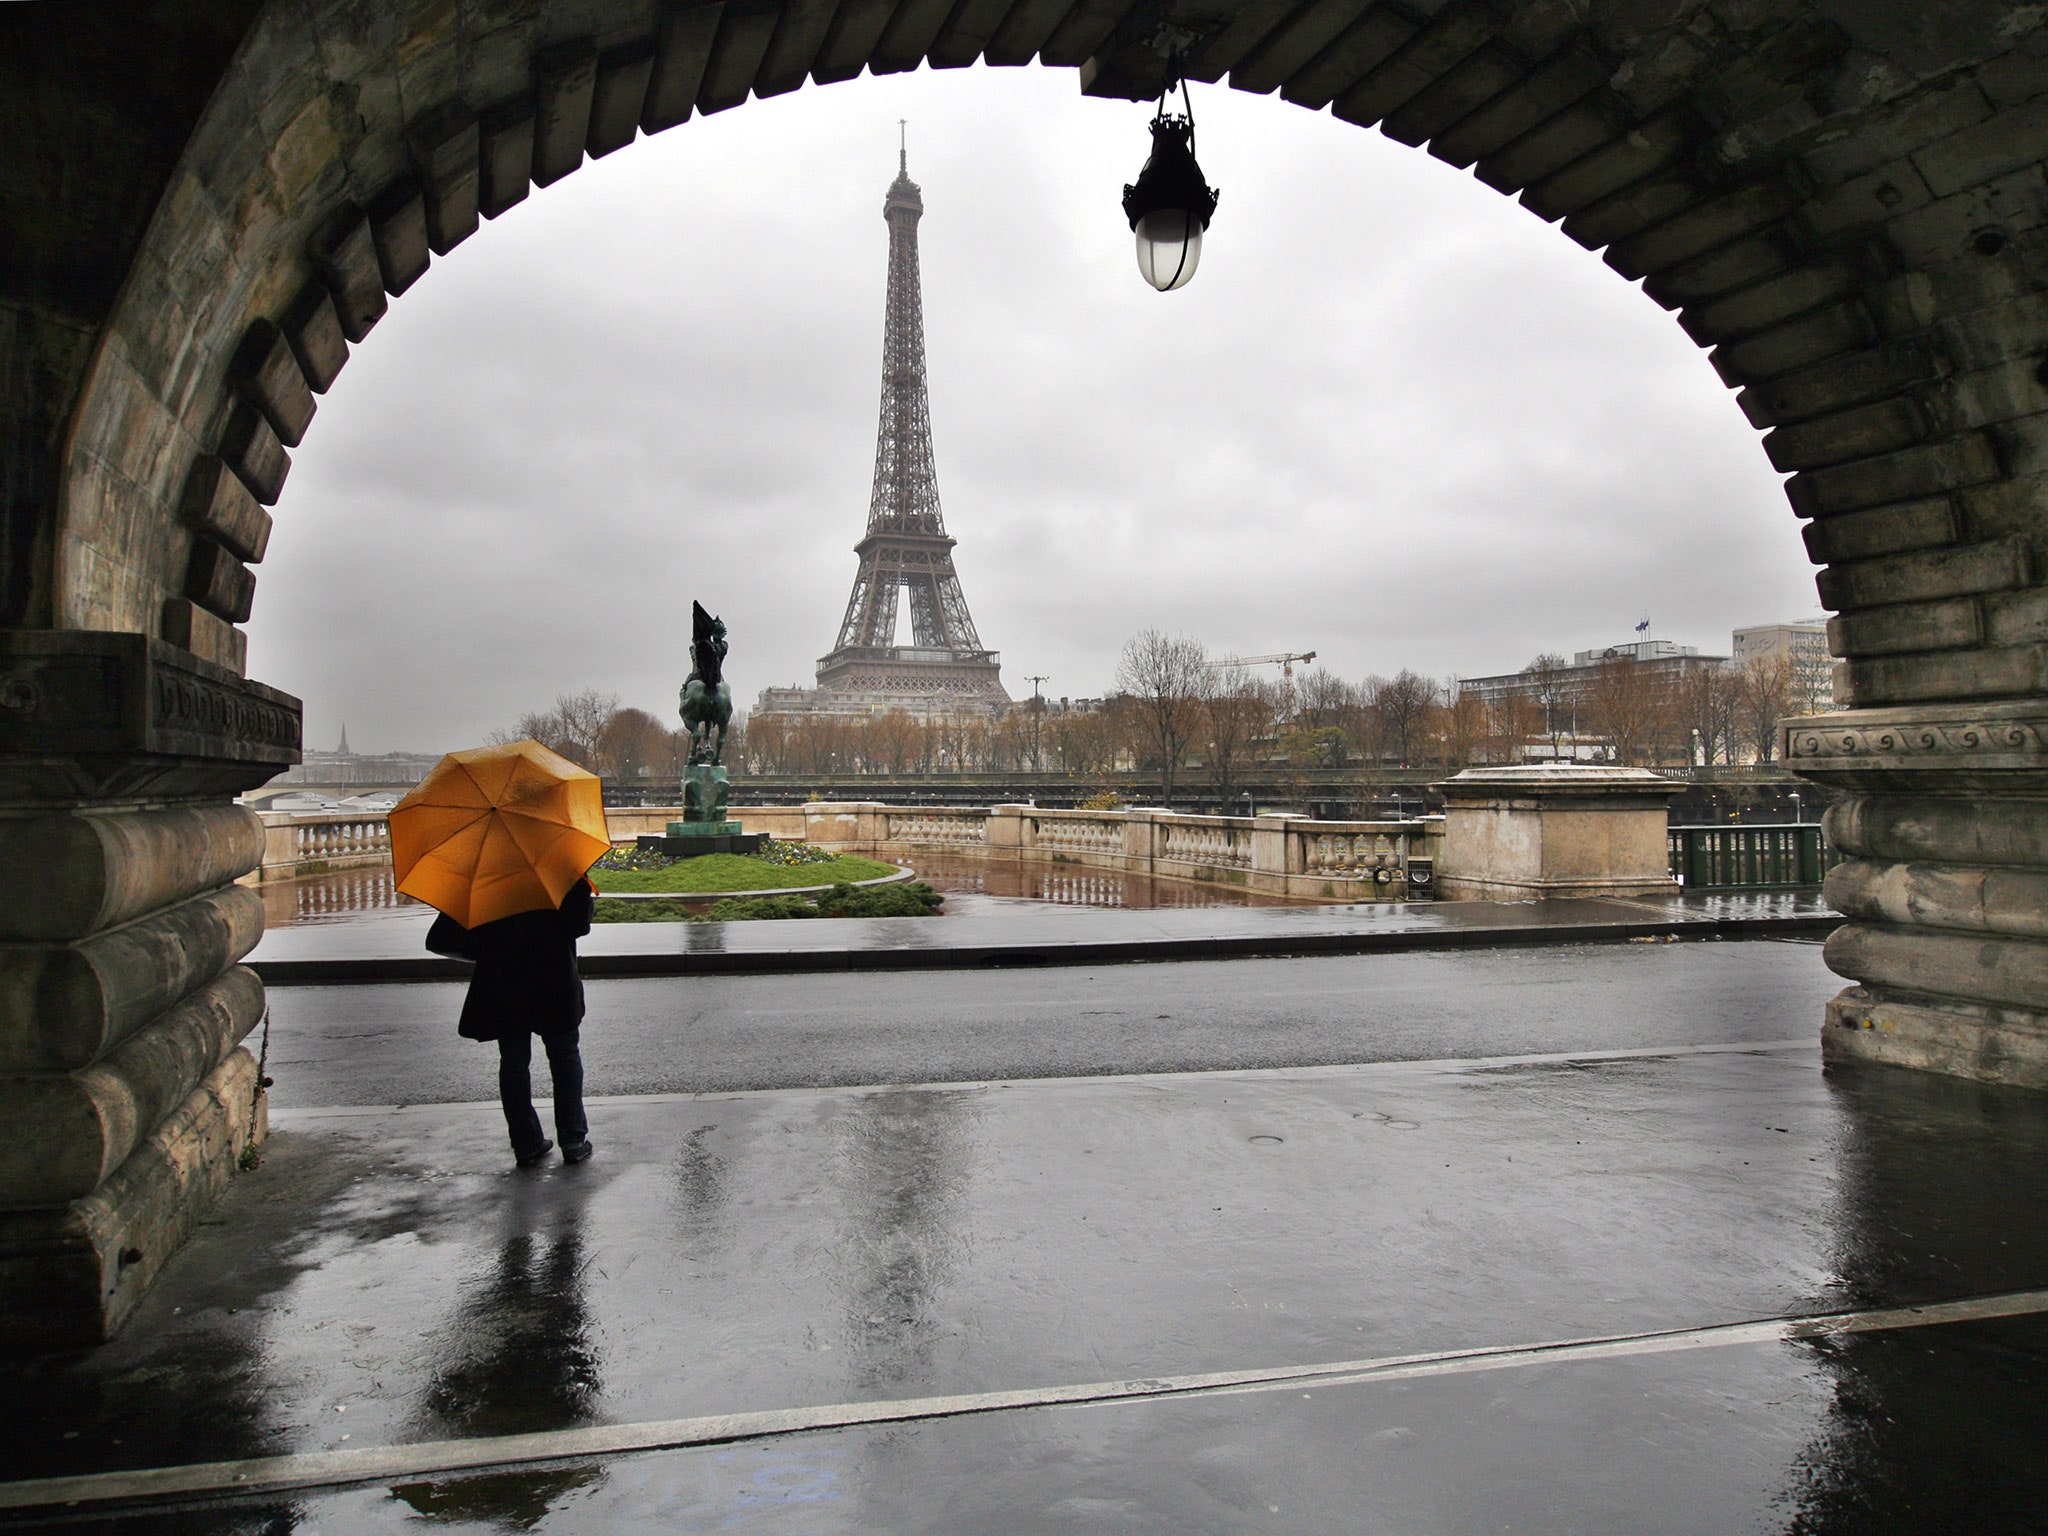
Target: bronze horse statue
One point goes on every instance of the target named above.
(706, 700)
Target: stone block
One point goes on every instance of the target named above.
(207, 636)
(1965, 460)
(2013, 138)
(1922, 575)
(1015, 41)
(218, 582)
(217, 504)
(264, 372)
(252, 451)
(1724, 269)
(1633, 209)
(505, 158)
(1288, 48)
(1893, 132)
(106, 715)
(1453, 34)
(1858, 433)
(1908, 525)
(1956, 624)
(565, 79)
(746, 27)
(682, 45)
(398, 233)
(1952, 228)
(1636, 152)
(67, 874)
(1984, 674)
(1909, 828)
(1581, 128)
(312, 328)
(445, 146)
(1979, 968)
(801, 34)
(2017, 618)
(1769, 303)
(1516, 834)
(1957, 897)
(1880, 373)
(1984, 1043)
(345, 255)
(620, 96)
(1798, 344)
(69, 1276)
(1699, 229)
(88, 1121)
(1552, 86)
(1456, 94)
(1367, 43)
(63, 1006)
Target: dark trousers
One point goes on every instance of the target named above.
(515, 1089)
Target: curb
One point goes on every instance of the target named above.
(711, 962)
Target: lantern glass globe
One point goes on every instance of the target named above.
(1169, 247)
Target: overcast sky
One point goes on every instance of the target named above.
(1395, 419)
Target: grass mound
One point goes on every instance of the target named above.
(911, 898)
(731, 872)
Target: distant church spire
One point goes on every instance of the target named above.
(342, 750)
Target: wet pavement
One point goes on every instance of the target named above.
(396, 1043)
(393, 948)
(384, 1280)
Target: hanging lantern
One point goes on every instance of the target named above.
(1170, 205)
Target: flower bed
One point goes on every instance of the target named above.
(910, 898)
(643, 871)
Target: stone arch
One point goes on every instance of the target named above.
(1844, 204)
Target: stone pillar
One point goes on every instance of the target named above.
(1007, 830)
(1277, 851)
(126, 1091)
(1555, 830)
(1945, 883)
(1141, 835)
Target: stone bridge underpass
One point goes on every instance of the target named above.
(209, 206)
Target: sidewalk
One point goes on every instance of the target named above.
(384, 1284)
(392, 948)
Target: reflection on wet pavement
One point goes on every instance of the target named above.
(973, 886)
(346, 896)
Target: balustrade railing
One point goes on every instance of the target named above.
(954, 828)
(311, 844)
(1097, 832)
(1210, 841)
(1757, 858)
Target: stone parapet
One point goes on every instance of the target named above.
(81, 870)
(92, 716)
(1554, 831)
(71, 1273)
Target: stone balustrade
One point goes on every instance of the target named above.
(296, 844)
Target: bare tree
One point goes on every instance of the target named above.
(633, 744)
(1236, 712)
(1551, 686)
(1403, 703)
(1626, 704)
(1165, 677)
(1766, 691)
(1706, 703)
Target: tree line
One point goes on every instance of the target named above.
(1193, 717)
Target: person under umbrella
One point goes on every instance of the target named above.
(498, 839)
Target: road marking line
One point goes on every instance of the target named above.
(285, 1115)
(327, 1469)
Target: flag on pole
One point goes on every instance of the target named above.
(1643, 628)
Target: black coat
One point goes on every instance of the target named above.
(526, 978)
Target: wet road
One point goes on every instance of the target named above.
(396, 1044)
(385, 1279)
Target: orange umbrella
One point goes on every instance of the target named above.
(498, 830)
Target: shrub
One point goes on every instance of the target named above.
(1108, 800)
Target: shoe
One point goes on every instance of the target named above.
(534, 1158)
(578, 1152)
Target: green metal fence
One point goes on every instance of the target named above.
(1750, 858)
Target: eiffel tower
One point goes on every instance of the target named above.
(907, 548)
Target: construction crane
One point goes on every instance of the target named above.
(1285, 662)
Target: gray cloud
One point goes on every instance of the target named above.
(1396, 419)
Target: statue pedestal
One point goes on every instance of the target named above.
(705, 828)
